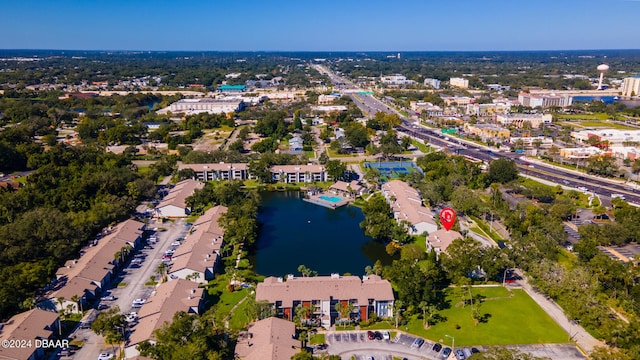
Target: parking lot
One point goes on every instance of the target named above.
(358, 344)
(134, 283)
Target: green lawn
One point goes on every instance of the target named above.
(316, 339)
(596, 116)
(421, 146)
(510, 320)
(486, 230)
(381, 325)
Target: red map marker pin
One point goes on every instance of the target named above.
(447, 218)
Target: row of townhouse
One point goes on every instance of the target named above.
(89, 276)
(169, 298)
(197, 257)
(406, 204)
(369, 295)
(25, 328)
(193, 263)
(240, 171)
(174, 203)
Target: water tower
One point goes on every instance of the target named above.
(602, 68)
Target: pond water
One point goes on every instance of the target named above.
(295, 233)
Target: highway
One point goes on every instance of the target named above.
(602, 187)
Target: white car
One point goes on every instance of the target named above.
(138, 302)
(105, 356)
(131, 317)
(386, 335)
(175, 243)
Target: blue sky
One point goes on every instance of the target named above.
(327, 25)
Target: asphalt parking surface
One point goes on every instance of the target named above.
(357, 344)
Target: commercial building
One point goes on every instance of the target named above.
(544, 100)
(170, 297)
(434, 83)
(174, 205)
(457, 100)
(87, 276)
(371, 295)
(268, 339)
(625, 152)
(580, 153)
(535, 120)
(459, 82)
(232, 88)
(329, 108)
(208, 105)
(488, 109)
(612, 136)
(396, 79)
(631, 86)
(487, 131)
(532, 141)
(32, 325)
(406, 204)
(197, 257)
(327, 99)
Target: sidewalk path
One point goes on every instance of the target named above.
(584, 340)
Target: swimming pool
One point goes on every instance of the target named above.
(333, 199)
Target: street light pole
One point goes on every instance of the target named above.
(453, 349)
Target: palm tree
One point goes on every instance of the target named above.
(61, 312)
(344, 310)
(78, 300)
(28, 303)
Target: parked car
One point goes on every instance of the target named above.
(103, 306)
(108, 298)
(175, 243)
(386, 335)
(131, 317)
(446, 352)
(371, 335)
(169, 252)
(436, 347)
(378, 335)
(138, 303)
(105, 356)
(459, 354)
(417, 343)
(65, 352)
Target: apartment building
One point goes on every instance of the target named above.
(369, 295)
(459, 82)
(221, 171)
